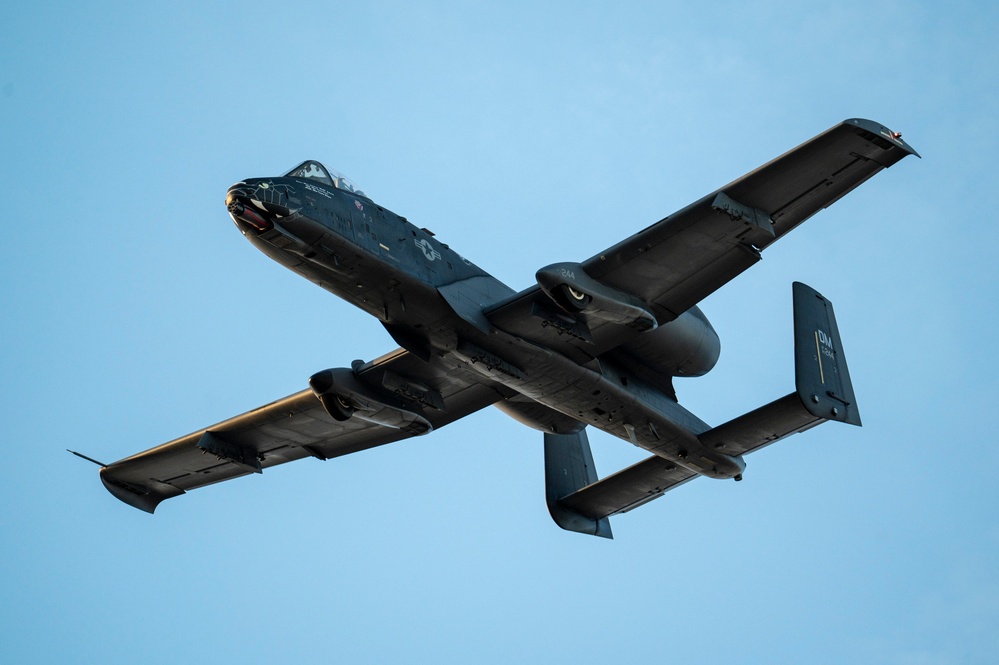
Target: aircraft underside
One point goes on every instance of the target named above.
(595, 343)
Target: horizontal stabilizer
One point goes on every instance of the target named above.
(628, 489)
(823, 392)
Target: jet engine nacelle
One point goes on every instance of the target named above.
(685, 346)
(344, 397)
(568, 285)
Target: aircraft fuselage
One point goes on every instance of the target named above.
(432, 301)
(596, 342)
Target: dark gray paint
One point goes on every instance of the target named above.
(593, 343)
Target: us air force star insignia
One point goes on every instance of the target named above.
(428, 250)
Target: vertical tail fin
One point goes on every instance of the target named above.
(569, 467)
(821, 374)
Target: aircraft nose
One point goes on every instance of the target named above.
(238, 191)
(240, 202)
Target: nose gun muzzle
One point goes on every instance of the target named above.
(243, 207)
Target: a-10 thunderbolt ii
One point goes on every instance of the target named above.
(592, 343)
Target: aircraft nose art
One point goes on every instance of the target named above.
(240, 203)
(240, 190)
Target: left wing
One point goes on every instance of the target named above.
(294, 427)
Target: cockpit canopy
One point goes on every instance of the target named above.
(313, 170)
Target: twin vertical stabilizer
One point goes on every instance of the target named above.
(823, 391)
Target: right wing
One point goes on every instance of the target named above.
(675, 263)
(289, 429)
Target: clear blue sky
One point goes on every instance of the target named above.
(134, 312)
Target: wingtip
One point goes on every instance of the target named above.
(142, 497)
(878, 129)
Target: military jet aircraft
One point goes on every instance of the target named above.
(592, 343)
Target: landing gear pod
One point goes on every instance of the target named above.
(344, 397)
